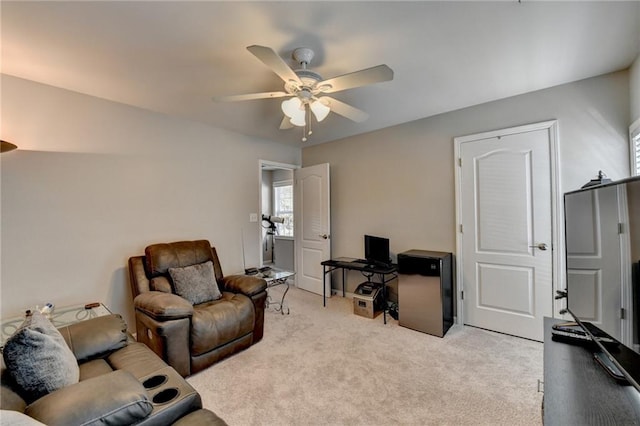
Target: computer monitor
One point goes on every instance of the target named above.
(376, 250)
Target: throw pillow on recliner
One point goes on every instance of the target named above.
(196, 283)
(38, 358)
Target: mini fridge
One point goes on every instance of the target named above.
(425, 291)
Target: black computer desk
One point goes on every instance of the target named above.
(386, 273)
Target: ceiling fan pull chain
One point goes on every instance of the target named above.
(304, 128)
(307, 123)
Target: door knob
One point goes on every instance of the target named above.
(324, 236)
(541, 246)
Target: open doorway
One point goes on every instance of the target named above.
(277, 245)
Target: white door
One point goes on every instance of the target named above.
(599, 297)
(312, 226)
(505, 238)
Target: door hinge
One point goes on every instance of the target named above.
(461, 229)
(622, 313)
(620, 228)
(462, 295)
(460, 162)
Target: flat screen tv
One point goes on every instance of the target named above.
(376, 250)
(602, 237)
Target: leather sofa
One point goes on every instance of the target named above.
(191, 337)
(121, 382)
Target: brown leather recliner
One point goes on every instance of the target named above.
(192, 337)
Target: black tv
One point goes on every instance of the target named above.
(602, 241)
(376, 250)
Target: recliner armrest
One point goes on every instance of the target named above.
(95, 337)
(163, 306)
(113, 398)
(245, 284)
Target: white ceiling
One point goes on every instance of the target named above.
(173, 56)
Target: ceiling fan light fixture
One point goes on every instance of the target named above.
(295, 110)
(320, 110)
(299, 120)
(291, 107)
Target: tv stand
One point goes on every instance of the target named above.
(578, 391)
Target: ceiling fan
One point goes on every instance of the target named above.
(307, 90)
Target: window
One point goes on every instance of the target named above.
(283, 207)
(634, 133)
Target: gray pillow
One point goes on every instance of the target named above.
(196, 283)
(39, 359)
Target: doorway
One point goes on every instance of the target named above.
(507, 241)
(277, 245)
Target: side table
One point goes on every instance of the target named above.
(60, 317)
(275, 278)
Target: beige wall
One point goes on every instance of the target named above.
(94, 182)
(634, 89)
(399, 182)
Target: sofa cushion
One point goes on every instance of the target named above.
(38, 358)
(219, 322)
(195, 283)
(10, 399)
(94, 368)
(137, 359)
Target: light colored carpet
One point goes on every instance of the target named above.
(327, 366)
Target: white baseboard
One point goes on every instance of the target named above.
(338, 293)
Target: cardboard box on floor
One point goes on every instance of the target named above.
(367, 300)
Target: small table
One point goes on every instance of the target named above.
(60, 317)
(275, 278)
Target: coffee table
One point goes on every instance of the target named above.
(60, 317)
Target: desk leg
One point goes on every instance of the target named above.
(384, 298)
(324, 285)
(343, 281)
(384, 307)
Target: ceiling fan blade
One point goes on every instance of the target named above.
(251, 96)
(356, 79)
(345, 110)
(275, 62)
(286, 123)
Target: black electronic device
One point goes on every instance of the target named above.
(570, 332)
(376, 250)
(610, 367)
(367, 288)
(602, 236)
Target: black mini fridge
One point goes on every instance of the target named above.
(425, 291)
